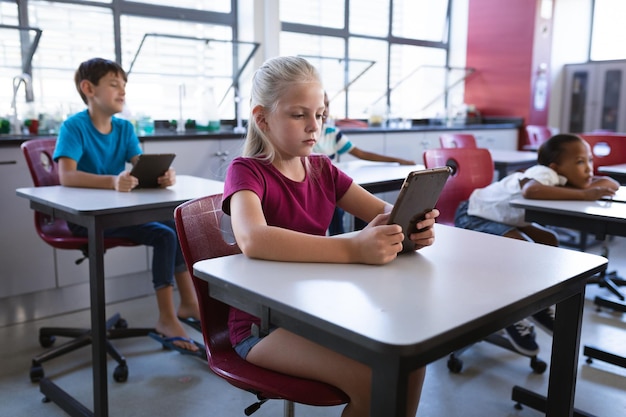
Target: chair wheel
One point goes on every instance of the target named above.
(36, 373)
(120, 374)
(121, 324)
(46, 341)
(537, 365)
(455, 365)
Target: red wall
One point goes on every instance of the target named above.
(506, 43)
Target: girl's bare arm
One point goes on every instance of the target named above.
(373, 245)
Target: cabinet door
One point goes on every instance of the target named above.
(193, 157)
(408, 145)
(200, 158)
(595, 97)
(503, 139)
(577, 100)
(229, 150)
(610, 96)
(27, 261)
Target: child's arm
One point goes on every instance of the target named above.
(373, 245)
(70, 176)
(605, 182)
(371, 156)
(360, 203)
(535, 190)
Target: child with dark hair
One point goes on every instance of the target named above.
(564, 171)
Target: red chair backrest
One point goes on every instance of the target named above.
(537, 135)
(201, 227)
(472, 168)
(457, 140)
(38, 154)
(607, 149)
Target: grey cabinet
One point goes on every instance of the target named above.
(594, 97)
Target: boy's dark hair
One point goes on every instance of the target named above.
(93, 70)
(552, 149)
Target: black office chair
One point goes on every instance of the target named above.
(55, 232)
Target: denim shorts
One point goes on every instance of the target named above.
(479, 224)
(243, 348)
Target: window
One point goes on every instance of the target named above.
(374, 66)
(68, 38)
(608, 30)
(175, 71)
(178, 64)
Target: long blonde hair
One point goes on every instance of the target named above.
(271, 80)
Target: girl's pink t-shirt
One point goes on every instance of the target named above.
(305, 206)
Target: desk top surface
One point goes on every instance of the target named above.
(601, 209)
(506, 156)
(369, 172)
(464, 279)
(94, 201)
(610, 169)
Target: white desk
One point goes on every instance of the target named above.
(506, 162)
(390, 317)
(97, 210)
(618, 172)
(377, 177)
(600, 217)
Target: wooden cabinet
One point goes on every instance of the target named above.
(594, 97)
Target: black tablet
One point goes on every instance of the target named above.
(150, 167)
(418, 195)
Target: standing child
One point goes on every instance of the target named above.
(92, 150)
(334, 143)
(564, 172)
(279, 192)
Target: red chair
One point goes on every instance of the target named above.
(536, 136)
(607, 149)
(55, 232)
(472, 168)
(457, 140)
(201, 232)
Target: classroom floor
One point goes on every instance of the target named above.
(164, 383)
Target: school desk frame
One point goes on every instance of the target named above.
(598, 217)
(96, 210)
(379, 305)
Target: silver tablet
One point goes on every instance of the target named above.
(418, 195)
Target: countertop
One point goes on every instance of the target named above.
(9, 140)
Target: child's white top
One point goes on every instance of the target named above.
(492, 202)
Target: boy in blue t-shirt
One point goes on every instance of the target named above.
(92, 150)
